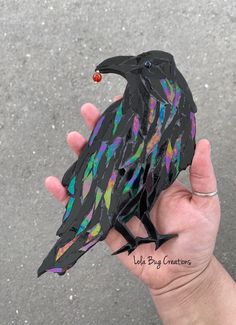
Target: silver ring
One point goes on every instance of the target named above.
(205, 194)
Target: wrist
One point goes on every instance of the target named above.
(188, 303)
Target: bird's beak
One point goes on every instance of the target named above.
(118, 64)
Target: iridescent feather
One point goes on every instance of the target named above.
(91, 240)
(154, 155)
(117, 118)
(169, 154)
(68, 208)
(135, 156)
(162, 112)
(98, 197)
(71, 187)
(135, 127)
(98, 157)
(152, 111)
(87, 185)
(193, 121)
(168, 90)
(85, 222)
(56, 270)
(176, 153)
(112, 149)
(154, 140)
(177, 95)
(96, 130)
(63, 249)
(89, 165)
(90, 244)
(129, 184)
(107, 194)
(93, 232)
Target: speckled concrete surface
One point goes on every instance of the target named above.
(48, 50)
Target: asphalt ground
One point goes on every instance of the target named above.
(48, 51)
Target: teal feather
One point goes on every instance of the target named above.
(117, 118)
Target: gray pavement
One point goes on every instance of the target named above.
(48, 50)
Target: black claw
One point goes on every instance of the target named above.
(125, 248)
(163, 239)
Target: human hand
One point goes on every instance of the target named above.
(195, 219)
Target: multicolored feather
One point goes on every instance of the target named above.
(193, 121)
(98, 157)
(68, 208)
(107, 194)
(136, 127)
(112, 149)
(91, 239)
(172, 92)
(56, 270)
(89, 245)
(154, 156)
(71, 187)
(129, 184)
(152, 110)
(96, 130)
(177, 95)
(162, 112)
(98, 197)
(169, 154)
(137, 154)
(168, 90)
(117, 118)
(89, 165)
(85, 222)
(87, 185)
(93, 232)
(63, 249)
(176, 153)
(152, 142)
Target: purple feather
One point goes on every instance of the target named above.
(193, 120)
(96, 129)
(136, 127)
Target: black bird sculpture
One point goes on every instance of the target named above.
(136, 149)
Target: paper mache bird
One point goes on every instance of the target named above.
(137, 148)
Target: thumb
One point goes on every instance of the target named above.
(202, 176)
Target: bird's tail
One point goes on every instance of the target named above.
(68, 249)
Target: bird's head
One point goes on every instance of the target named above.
(147, 68)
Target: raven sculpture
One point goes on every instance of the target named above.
(136, 149)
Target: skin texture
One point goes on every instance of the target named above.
(177, 210)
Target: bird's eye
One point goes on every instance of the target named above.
(148, 64)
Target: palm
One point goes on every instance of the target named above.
(195, 219)
(174, 212)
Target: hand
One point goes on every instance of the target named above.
(195, 219)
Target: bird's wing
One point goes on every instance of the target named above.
(89, 184)
(90, 176)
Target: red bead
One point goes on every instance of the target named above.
(97, 77)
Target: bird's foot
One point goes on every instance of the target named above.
(130, 247)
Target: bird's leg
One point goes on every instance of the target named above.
(124, 231)
(153, 235)
(132, 243)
